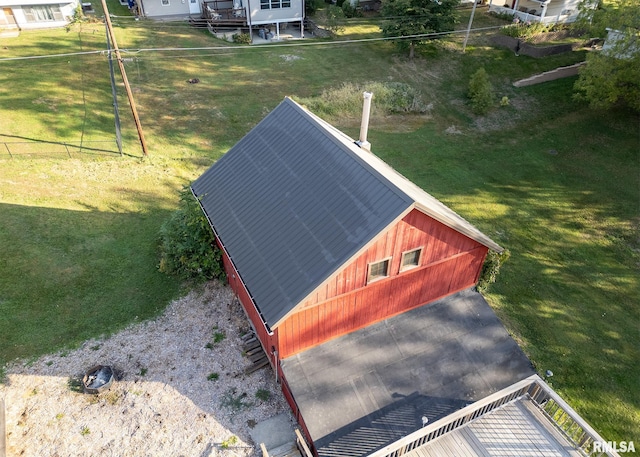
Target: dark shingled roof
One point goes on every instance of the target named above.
(365, 390)
(291, 203)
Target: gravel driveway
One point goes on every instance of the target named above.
(181, 389)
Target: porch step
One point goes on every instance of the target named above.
(251, 344)
(247, 336)
(252, 348)
(263, 362)
(255, 350)
(257, 356)
(198, 22)
(286, 450)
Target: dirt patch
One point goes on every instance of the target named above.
(180, 389)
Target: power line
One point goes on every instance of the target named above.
(48, 56)
(256, 47)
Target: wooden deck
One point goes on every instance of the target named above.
(517, 428)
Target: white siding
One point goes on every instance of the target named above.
(270, 16)
(556, 11)
(153, 8)
(50, 14)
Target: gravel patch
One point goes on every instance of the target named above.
(180, 389)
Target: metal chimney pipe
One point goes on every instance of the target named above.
(364, 126)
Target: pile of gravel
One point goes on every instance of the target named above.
(180, 389)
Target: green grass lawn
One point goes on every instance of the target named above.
(554, 182)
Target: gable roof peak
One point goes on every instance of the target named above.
(295, 199)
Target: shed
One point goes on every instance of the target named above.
(321, 238)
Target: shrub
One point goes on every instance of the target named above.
(502, 15)
(491, 268)
(346, 100)
(234, 401)
(231, 441)
(77, 18)
(480, 92)
(187, 243)
(350, 10)
(263, 394)
(525, 30)
(241, 38)
(334, 19)
(311, 6)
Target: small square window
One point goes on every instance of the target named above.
(410, 259)
(165, 2)
(378, 270)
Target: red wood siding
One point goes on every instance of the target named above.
(238, 287)
(449, 263)
(286, 390)
(415, 230)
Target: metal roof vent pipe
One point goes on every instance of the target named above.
(364, 126)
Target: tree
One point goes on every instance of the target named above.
(334, 19)
(480, 92)
(187, 244)
(409, 18)
(611, 76)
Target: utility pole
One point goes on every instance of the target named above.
(132, 103)
(473, 12)
(114, 94)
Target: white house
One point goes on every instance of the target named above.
(36, 14)
(621, 45)
(268, 17)
(546, 11)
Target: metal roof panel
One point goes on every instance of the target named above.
(291, 204)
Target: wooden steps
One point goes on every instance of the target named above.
(252, 348)
(198, 22)
(286, 450)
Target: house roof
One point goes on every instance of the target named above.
(429, 361)
(295, 199)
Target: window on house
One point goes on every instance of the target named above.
(410, 259)
(44, 13)
(274, 4)
(165, 2)
(378, 270)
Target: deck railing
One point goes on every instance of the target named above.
(302, 445)
(528, 17)
(559, 413)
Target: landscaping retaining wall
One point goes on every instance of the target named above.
(524, 48)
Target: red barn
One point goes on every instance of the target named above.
(321, 238)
